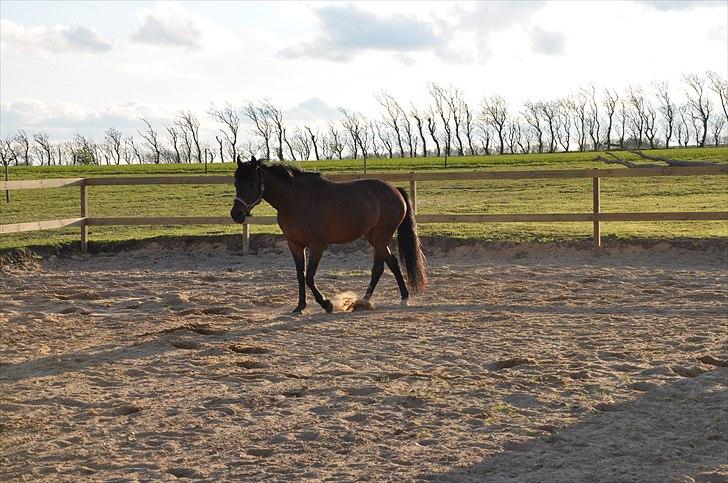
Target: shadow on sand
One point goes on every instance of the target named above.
(674, 432)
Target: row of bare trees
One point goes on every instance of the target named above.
(591, 119)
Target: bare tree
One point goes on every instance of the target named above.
(260, 116)
(325, 146)
(302, 144)
(667, 108)
(229, 117)
(45, 147)
(550, 111)
(432, 128)
(637, 115)
(439, 99)
(623, 116)
(392, 115)
(532, 115)
(314, 138)
(151, 138)
(190, 125)
(495, 113)
(288, 144)
(717, 124)
(113, 139)
(683, 125)
(699, 102)
(84, 150)
(419, 119)
(468, 125)
(354, 124)
(592, 122)
(514, 136)
(174, 141)
(409, 136)
(335, 141)
(610, 100)
(385, 136)
(485, 138)
(720, 87)
(577, 105)
(134, 149)
(650, 123)
(21, 138)
(275, 118)
(7, 153)
(455, 104)
(220, 146)
(563, 124)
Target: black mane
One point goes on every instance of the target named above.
(286, 171)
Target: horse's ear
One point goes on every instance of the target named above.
(240, 161)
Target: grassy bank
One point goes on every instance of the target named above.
(523, 196)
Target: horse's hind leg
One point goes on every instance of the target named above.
(393, 265)
(299, 257)
(314, 257)
(377, 270)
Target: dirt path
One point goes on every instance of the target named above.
(143, 365)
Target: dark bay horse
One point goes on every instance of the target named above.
(314, 212)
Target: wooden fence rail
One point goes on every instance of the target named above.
(596, 216)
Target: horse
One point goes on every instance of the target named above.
(314, 212)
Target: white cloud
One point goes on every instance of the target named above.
(347, 30)
(53, 39)
(61, 119)
(155, 71)
(171, 25)
(313, 110)
(666, 5)
(547, 42)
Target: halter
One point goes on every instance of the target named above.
(249, 207)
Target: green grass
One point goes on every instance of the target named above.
(706, 193)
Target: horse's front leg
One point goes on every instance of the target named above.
(314, 257)
(299, 257)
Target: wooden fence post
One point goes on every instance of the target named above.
(246, 239)
(597, 209)
(84, 215)
(413, 192)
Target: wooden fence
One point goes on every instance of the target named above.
(596, 216)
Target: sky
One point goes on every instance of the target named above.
(85, 66)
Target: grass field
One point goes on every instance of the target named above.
(706, 193)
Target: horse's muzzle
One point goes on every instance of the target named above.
(238, 216)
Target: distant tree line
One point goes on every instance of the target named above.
(591, 119)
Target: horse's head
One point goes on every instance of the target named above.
(249, 189)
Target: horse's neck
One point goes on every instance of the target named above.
(277, 191)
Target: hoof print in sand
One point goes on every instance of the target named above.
(508, 363)
(185, 344)
(260, 452)
(712, 361)
(184, 473)
(250, 364)
(240, 349)
(687, 371)
(125, 410)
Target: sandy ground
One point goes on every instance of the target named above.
(156, 366)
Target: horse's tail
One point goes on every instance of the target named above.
(410, 249)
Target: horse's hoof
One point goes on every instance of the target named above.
(328, 306)
(404, 303)
(298, 310)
